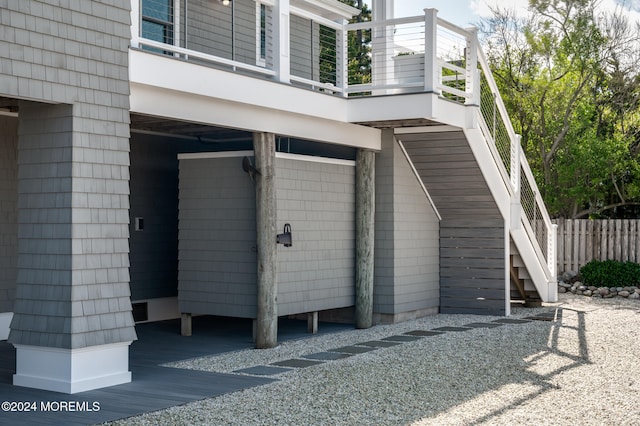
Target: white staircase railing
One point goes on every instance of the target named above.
(498, 131)
(430, 55)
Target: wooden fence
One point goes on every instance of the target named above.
(582, 240)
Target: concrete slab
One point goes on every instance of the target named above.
(402, 339)
(296, 363)
(380, 344)
(423, 333)
(451, 329)
(353, 349)
(327, 356)
(263, 370)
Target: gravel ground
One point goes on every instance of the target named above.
(581, 369)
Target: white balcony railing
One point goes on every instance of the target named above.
(421, 54)
(505, 143)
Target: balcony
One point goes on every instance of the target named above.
(293, 57)
(308, 45)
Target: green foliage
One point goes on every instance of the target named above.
(358, 50)
(569, 79)
(610, 273)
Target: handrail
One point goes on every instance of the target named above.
(536, 218)
(188, 53)
(398, 50)
(420, 54)
(175, 50)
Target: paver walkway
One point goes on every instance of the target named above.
(153, 387)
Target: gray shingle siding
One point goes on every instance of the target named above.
(318, 201)
(217, 238)
(217, 261)
(73, 169)
(407, 232)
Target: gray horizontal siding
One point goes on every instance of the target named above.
(407, 230)
(472, 239)
(208, 29)
(472, 274)
(302, 47)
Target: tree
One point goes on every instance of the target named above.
(358, 49)
(359, 46)
(567, 79)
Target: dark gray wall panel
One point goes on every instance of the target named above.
(8, 211)
(472, 235)
(154, 197)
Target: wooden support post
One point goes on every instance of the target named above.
(185, 324)
(264, 147)
(312, 322)
(365, 209)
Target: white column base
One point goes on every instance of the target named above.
(72, 370)
(5, 322)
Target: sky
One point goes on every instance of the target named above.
(466, 13)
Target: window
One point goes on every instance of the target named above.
(157, 21)
(261, 34)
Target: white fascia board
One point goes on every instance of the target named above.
(330, 9)
(195, 108)
(181, 76)
(391, 107)
(410, 106)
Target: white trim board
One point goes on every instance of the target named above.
(218, 154)
(72, 370)
(283, 155)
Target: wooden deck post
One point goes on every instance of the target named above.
(365, 209)
(264, 147)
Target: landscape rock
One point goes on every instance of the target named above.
(569, 276)
(567, 285)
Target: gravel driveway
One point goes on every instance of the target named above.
(581, 368)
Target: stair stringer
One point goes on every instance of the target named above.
(503, 196)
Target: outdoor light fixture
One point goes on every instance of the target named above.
(285, 238)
